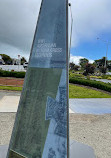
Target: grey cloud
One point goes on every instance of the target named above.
(17, 23)
(91, 18)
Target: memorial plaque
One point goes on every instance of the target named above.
(41, 126)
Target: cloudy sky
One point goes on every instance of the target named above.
(92, 19)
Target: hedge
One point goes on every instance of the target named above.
(16, 74)
(91, 83)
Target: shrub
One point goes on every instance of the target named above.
(109, 78)
(91, 83)
(75, 75)
(106, 76)
(16, 74)
(98, 77)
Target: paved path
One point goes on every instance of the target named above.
(91, 106)
(102, 80)
(9, 103)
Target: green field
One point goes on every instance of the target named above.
(81, 92)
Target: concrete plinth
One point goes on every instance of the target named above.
(77, 150)
(3, 151)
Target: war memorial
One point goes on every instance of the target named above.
(41, 128)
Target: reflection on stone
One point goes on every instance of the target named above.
(14, 154)
(51, 153)
(58, 111)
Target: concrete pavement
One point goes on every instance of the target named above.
(9, 101)
(91, 105)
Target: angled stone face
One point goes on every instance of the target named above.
(15, 155)
(41, 129)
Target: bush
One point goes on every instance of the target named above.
(75, 75)
(91, 83)
(16, 74)
(109, 78)
(98, 77)
(106, 76)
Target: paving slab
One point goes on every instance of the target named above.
(9, 103)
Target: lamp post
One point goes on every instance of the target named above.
(71, 29)
(18, 61)
(107, 46)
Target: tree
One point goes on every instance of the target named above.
(23, 60)
(83, 62)
(101, 62)
(7, 59)
(76, 67)
(109, 64)
(89, 69)
(71, 66)
(103, 69)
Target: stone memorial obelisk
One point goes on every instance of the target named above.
(41, 128)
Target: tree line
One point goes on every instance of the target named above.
(7, 60)
(101, 65)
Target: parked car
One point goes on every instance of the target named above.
(25, 65)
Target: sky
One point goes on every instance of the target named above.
(91, 19)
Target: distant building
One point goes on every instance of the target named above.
(16, 62)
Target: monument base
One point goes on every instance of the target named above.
(77, 150)
(3, 151)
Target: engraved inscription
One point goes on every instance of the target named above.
(45, 49)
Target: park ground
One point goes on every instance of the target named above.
(93, 130)
(75, 91)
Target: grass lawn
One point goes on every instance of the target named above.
(10, 88)
(74, 92)
(81, 92)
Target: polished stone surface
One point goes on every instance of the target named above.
(41, 126)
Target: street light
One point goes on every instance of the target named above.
(71, 28)
(107, 46)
